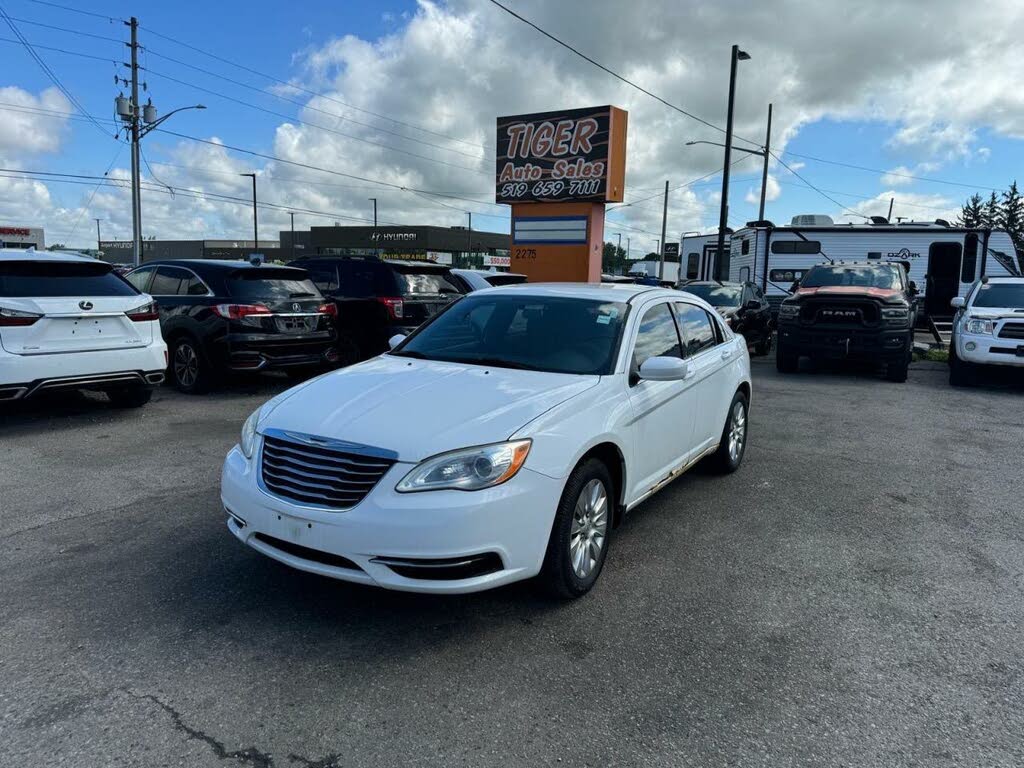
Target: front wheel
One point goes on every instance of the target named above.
(579, 536)
(764, 344)
(733, 444)
(897, 371)
(960, 373)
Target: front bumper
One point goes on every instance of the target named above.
(990, 350)
(836, 342)
(415, 542)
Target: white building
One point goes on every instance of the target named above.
(12, 236)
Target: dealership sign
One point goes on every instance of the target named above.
(392, 237)
(16, 231)
(570, 155)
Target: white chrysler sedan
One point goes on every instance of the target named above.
(504, 439)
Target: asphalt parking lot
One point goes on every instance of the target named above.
(854, 595)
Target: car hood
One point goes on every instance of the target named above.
(996, 313)
(850, 290)
(419, 408)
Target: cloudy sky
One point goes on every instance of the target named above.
(407, 93)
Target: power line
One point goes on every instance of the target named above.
(889, 173)
(44, 112)
(313, 125)
(300, 104)
(816, 189)
(66, 29)
(307, 90)
(75, 10)
(95, 189)
(61, 50)
(615, 74)
(50, 73)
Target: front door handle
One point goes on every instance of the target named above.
(726, 354)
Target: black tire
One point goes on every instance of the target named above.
(764, 344)
(558, 576)
(729, 456)
(130, 398)
(188, 369)
(786, 360)
(897, 370)
(960, 372)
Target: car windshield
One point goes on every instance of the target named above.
(841, 275)
(541, 333)
(252, 284)
(1004, 295)
(37, 279)
(716, 295)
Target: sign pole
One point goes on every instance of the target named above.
(664, 222)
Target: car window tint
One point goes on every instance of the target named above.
(195, 287)
(61, 278)
(696, 326)
(167, 281)
(264, 283)
(425, 282)
(359, 279)
(140, 277)
(657, 336)
(324, 276)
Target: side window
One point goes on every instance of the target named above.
(745, 246)
(140, 278)
(697, 329)
(692, 266)
(657, 335)
(168, 281)
(970, 262)
(194, 286)
(324, 276)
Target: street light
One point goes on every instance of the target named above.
(376, 250)
(723, 217)
(255, 219)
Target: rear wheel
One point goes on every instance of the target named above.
(130, 398)
(579, 536)
(733, 444)
(189, 372)
(786, 359)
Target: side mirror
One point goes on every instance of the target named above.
(664, 369)
(912, 288)
(752, 304)
(395, 340)
(957, 302)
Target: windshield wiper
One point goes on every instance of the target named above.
(498, 362)
(411, 353)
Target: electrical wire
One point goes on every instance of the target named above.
(67, 29)
(61, 50)
(88, 204)
(816, 189)
(76, 10)
(889, 173)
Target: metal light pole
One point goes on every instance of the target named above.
(661, 246)
(469, 236)
(292, 215)
(98, 238)
(618, 250)
(764, 173)
(376, 250)
(627, 250)
(255, 216)
(723, 217)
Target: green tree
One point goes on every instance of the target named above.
(613, 259)
(1012, 215)
(991, 215)
(972, 212)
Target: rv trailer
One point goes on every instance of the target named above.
(942, 260)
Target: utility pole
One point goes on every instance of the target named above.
(891, 201)
(618, 250)
(469, 235)
(627, 253)
(723, 217)
(255, 219)
(133, 24)
(292, 215)
(376, 250)
(98, 238)
(661, 245)
(764, 173)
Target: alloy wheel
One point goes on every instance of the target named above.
(186, 365)
(737, 430)
(589, 528)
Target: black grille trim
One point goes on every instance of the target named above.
(1012, 330)
(305, 553)
(319, 475)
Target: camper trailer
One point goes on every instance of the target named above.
(941, 260)
(698, 260)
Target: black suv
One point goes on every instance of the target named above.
(219, 317)
(377, 299)
(850, 310)
(742, 305)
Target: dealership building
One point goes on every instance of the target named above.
(439, 244)
(120, 251)
(22, 237)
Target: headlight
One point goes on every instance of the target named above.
(248, 441)
(468, 469)
(896, 313)
(977, 325)
(789, 310)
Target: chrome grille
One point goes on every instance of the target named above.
(1012, 330)
(320, 472)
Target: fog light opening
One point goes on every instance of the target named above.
(970, 346)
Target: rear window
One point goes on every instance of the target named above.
(500, 279)
(426, 282)
(32, 279)
(253, 284)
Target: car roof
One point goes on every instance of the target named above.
(214, 264)
(618, 292)
(486, 272)
(725, 283)
(1003, 278)
(31, 254)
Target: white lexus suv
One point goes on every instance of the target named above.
(69, 322)
(503, 439)
(988, 328)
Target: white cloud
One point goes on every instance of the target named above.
(897, 177)
(32, 124)
(772, 192)
(906, 205)
(938, 78)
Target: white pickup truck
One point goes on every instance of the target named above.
(988, 328)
